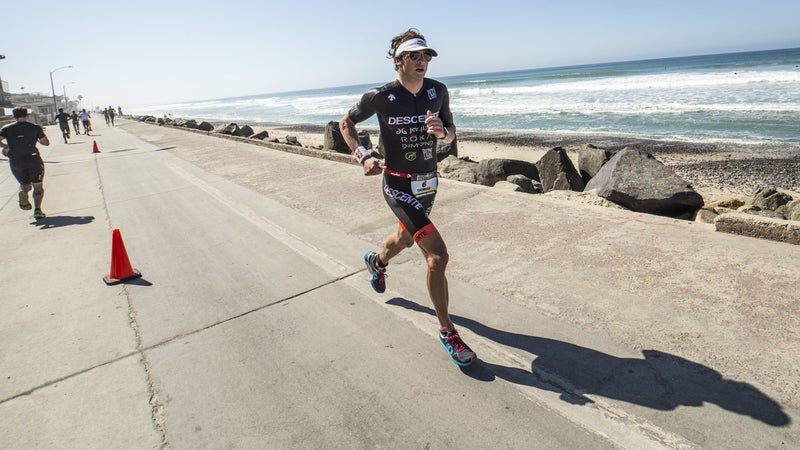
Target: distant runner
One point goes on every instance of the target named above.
(75, 120)
(63, 123)
(23, 157)
(85, 118)
(413, 112)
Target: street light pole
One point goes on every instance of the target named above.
(2, 94)
(64, 87)
(55, 105)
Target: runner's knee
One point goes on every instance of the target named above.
(437, 262)
(405, 240)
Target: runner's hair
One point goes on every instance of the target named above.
(411, 33)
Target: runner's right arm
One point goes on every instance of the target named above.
(371, 165)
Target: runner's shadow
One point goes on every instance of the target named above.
(120, 150)
(61, 221)
(659, 381)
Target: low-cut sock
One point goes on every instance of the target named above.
(446, 334)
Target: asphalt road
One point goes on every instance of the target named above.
(254, 325)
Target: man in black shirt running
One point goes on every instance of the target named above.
(63, 123)
(26, 164)
(413, 113)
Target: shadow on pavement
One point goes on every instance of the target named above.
(62, 221)
(120, 150)
(659, 381)
(138, 282)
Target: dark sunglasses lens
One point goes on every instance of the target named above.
(414, 56)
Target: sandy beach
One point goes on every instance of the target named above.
(715, 170)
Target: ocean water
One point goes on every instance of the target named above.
(751, 97)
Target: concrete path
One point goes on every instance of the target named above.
(254, 326)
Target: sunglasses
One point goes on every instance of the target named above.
(414, 56)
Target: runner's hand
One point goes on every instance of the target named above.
(373, 166)
(434, 125)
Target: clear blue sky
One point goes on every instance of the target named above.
(145, 52)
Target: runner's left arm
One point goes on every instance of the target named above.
(43, 137)
(446, 116)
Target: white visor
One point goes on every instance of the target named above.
(414, 45)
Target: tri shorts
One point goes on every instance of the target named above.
(410, 196)
(28, 170)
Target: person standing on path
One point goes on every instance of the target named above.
(26, 163)
(85, 118)
(413, 113)
(111, 114)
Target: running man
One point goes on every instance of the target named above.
(85, 118)
(75, 122)
(23, 157)
(413, 112)
(63, 123)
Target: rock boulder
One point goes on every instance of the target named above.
(458, 169)
(246, 131)
(231, 129)
(792, 210)
(525, 184)
(771, 199)
(261, 135)
(490, 171)
(333, 140)
(590, 160)
(556, 172)
(636, 180)
(444, 150)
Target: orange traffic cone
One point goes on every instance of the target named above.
(121, 269)
(94, 148)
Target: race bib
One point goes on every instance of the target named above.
(423, 184)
